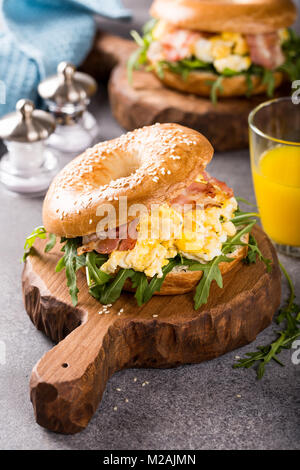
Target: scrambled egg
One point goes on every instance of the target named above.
(197, 234)
(233, 62)
(284, 35)
(226, 50)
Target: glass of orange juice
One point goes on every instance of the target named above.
(275, 162)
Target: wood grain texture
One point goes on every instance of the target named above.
(68, 381)
(148, 101)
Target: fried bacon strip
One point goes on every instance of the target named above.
(265, 50)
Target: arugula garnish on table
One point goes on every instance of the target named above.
(289, 319)
(291, 66)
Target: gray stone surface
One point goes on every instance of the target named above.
(190, 407)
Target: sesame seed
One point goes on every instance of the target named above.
(237, 357)
(118, 389)
(115, 408)
(239, 396)
(90, 221)
(126, 400)
(135, 379)
(154, 316)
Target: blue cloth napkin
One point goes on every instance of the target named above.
(38, 34)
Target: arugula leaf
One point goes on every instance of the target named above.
(194, 63)
(51, 243)
(241, 217)
(112, 291)
(227, 72)
(94, 274)
(160, 70)
(140, 283)
(254, 252)
(38, 232)
(139, 56)
(291, 50)
(156, 282)
(250, 85)
(269, 80)
(216, 85)
(245, 201)
(289, 316)
(149, 26)
(60, 265)
(133, 62)
(138, 39)
(236, 239)
(211, 272)
(71, 262)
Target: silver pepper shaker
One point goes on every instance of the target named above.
(28, 166)
(67, 95)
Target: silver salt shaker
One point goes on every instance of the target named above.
(28, 166)
(67, 95)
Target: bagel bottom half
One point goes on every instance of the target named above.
(199, 83)
(180, 282)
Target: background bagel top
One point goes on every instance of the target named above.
(149, 165)
(248, 17)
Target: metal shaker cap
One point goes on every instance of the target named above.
(26, 124)
(68, 86)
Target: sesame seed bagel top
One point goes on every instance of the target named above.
(240, 16)
(149, 166)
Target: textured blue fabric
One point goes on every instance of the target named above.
(38, 34)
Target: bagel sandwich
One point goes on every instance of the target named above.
(220, 47)
(140, 213)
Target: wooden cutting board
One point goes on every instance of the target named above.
(148, 101)
(67, 383)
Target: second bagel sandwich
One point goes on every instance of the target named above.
(140, 213)
(220, 48)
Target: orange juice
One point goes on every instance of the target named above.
(277, 189)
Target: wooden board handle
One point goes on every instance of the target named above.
(68, 381)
